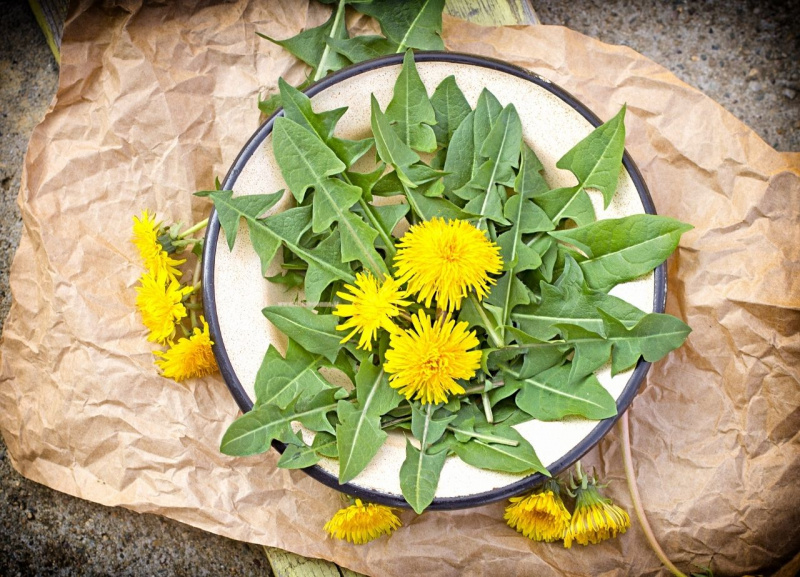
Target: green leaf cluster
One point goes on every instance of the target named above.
(547, 326)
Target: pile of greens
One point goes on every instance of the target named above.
(546, 327)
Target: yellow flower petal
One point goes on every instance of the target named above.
(425, 362)
(595, 519)
(372, 307)
(446, 260)
(145, 238)
(159, 300)
(361, 523)
(189, 358)
(541, 516)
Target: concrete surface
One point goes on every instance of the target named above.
(743, 54)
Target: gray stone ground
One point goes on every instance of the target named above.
(743, 54)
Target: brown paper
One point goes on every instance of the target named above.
(154, 102)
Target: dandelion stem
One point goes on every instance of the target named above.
(484, 437)
(627, 459)
(487, 408)
(192, 229)
(395, 421)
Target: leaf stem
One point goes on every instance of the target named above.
(481, 389)
(321, 72)
(497, 340)
(395, 421)
(627, 460)
(193, 229)
(484, 437)
(487, 408)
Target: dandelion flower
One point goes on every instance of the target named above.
(595, 518)
(446, 260)
(372, 307)
(541, 516)
(425, 362)
(189, 358)
(145, 238)
(159, 300)
(361, 523)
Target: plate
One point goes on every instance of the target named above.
(234, 292)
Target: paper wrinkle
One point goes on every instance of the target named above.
(155, 102)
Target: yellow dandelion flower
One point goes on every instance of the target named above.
(425, 362)
(541, 516)
(446, 260)
(373, 305)
(145, 238)
(159, 300)
(595, 518)
(360, 523)
(189, 358)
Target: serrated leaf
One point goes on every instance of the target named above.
(389, 215)
(450, 107)
(375, 396)
(253, 432)
(325, 445)
(315, 333)
(290, 279)
(597, 159)
(567, 203)
(550, 396)
(652, 337)
(312, 411)
(362, 48)
(464, 153)
(298, 457)
(519, 459)
(310, 45)
(358, 438)
(501, 149)
(509, 292)
(428, 423)
(297, 107)
(391, 149)
(570, 301)
(410, 112)
(230, 210)
(621, 249)
(410, 24)
(280, 380)
(427, 208)
(366, 181)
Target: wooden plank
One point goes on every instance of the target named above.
(493, 12)
(286, 564)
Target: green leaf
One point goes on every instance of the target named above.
(358, 438)
(419, 474)
(427, 208)
(288, 227)
(375, 396)
(366, 181)
(310, 45)
(496, 457)
(312, 412)
(290, 280)
(362, 48)
(251, 208)
(410, 24)
(410, 112)
(463, 154)
(652, 337)
(597, 159)
(317, 334)
(391, 149)
(550, 396)
(297, 107)
(501, 150)
(621, 249)
(570, 301)
(253, 432)
(298, 457)
(325, 445)
(280, 381)
(450, 107)
(567, 203)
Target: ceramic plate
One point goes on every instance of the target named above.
(234, 291)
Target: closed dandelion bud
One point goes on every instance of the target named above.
(595, 518)
(540, 516)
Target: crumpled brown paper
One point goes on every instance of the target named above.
(154, 102)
